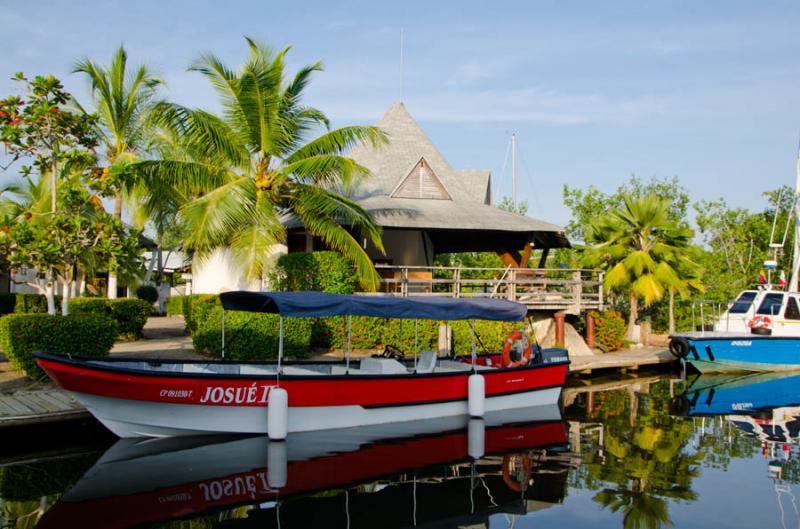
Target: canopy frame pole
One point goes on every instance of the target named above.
(280, 346)
(223, 332)
(402, 349)
(349, 344)
(474, 354)
(415, 344)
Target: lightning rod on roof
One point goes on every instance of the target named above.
(401, 65)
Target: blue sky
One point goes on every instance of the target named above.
(706, 91)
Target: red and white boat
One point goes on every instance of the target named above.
(153, 398)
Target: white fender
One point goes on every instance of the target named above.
(476, 438)
(276, 464)
(477, 396)
(277, 414)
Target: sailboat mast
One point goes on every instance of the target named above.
(796, 254)
(514, 169)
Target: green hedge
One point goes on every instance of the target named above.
(175, 305)
(321, 271)
(196, 307)
(130, 314)
(26, 304)
(250, 336)
(372, 333)
(79, 334)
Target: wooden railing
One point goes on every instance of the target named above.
(547, 289)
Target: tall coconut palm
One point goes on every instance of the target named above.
(253, 167)
(641, 250)
(122, 97)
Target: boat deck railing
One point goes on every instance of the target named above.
(572, 290)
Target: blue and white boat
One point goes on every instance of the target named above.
(760, 330)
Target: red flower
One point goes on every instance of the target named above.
(15, 121)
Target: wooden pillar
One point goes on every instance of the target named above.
(590, 330)
(559, 317)
(543, 258)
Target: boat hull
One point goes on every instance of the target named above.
(133, 404)
(743, 353)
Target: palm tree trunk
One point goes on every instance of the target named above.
(671, 310)
(112, 274)
(633, 331)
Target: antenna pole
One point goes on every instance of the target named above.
(401, 65)
(514, 170)
(796, 254)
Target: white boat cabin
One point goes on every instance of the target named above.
(779, 309)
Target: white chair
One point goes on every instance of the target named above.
(427, 362)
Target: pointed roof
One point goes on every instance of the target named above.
(392, 163)
(412, 186)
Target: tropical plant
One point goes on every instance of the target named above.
(252, 168)
(122, 99)
(641, 250)
(56, 245)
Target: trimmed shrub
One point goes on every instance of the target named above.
(196, 307)
(34, 304)
(609, 330)
(175, 305)
(492, 334)
(89, 306)
(322, 271)
(251, 336)
(88, 335)
(147, 293)
(372, 333)
(130, 314)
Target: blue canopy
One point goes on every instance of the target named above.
(321, 304)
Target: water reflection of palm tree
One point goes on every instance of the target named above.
(644, 464)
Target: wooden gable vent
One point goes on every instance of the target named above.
(421, 182)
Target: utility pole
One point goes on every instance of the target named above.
(514, 170)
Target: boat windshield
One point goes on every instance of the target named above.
(771, 304)
(743, 303)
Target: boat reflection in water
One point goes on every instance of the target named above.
(765, 407)
(475, 468)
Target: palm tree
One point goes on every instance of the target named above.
(252, 168)
(641, 250)
(122, 99)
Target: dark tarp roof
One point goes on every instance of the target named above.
(321, 304)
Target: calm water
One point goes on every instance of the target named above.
(643, 453)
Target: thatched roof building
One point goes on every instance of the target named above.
(426, 207)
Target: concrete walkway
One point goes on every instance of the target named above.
(164, 337)
(626, 360)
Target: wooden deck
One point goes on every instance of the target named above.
(33, 407)
(540, 289)
(623, 361)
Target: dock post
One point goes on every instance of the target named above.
(590, 331)
(559, 317)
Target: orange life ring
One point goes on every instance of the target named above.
(760, 322)
(526, 354)
(516, 484)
